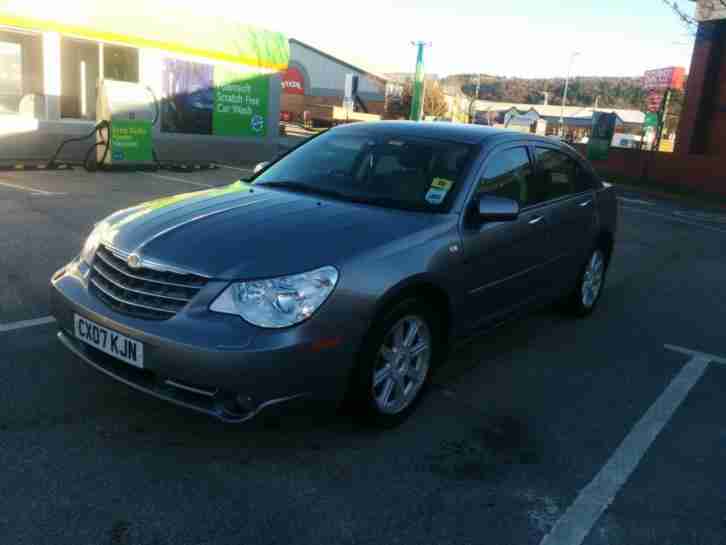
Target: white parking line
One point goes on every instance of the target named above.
(637, 201)
(575, 524)
(180, 180)
(230, 167)
(673, 219)
(12, 326)
(30, 190)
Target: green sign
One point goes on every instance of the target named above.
(603, 129)
(240, 103)
(418, 86)
(651, 120)
(130, 141)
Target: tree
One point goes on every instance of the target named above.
(434, 101)
(707, 7)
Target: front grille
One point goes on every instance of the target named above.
(144, 293)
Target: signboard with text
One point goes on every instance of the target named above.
(665, 78)
(240, 103)
(199, 98)
(293, 82)
(131, 140)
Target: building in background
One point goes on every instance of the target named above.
(215, 82)
(315, 82)
(545, 119)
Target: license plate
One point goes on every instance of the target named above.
(108, 341)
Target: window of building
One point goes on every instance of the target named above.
(11, 76)
(79, 75)
(21, 71)
(121, 63)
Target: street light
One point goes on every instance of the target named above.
(564, 95)
(472, 104)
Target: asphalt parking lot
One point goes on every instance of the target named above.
(546, 431)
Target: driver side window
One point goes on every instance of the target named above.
(509, 174)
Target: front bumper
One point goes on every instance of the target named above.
(213, 363)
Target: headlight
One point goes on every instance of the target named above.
(92, 242)
(278, 302)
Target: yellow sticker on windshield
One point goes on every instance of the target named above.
(442, 183)
(438, 190)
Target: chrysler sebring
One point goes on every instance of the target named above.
(342, 271)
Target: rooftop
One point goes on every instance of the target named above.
(333, 58)
(455, 132)
(553, 110)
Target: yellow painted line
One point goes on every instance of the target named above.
(32, 23)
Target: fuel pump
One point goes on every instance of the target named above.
(125, 115)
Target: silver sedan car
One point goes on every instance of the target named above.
(342, 271)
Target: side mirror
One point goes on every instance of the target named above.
(260, 166)
(497, 208)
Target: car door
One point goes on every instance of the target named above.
(502, 261)
(569, 194)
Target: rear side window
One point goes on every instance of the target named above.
(558, 175)
(509, 174)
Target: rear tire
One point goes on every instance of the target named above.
(590, 283)
(395, 364)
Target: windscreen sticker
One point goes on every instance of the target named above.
(438, 190)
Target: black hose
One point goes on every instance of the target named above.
(107, 142)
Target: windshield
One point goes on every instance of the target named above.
(399, 172)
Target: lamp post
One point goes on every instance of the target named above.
(564, 95)
(472, 104)
(417, 95)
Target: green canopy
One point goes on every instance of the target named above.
(153, 24)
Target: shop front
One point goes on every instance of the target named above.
(315, 81)
(214, 83)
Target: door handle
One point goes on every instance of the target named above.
(585, 203)
(536, 220)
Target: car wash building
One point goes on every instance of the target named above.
(315, 81)
(211, 83)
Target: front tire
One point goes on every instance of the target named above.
(395, 363)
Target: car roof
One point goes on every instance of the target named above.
(454, 132)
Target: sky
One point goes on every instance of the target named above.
(514, 38)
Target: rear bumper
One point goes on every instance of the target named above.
(215, 364)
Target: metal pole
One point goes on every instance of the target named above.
(564, 95)
(476, 97)
(417, 93)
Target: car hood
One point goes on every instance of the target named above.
(242, 231)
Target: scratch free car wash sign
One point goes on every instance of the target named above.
(240, 103)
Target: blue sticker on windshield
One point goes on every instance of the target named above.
(436, 195)
(438, 190)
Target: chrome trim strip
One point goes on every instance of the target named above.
(515, 275)
(147, 263)
(136, 277)
(116, 298)
(136, 290)
(175, 384)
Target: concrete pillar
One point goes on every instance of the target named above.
(52, 74)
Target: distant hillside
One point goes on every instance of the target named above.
(610, 92)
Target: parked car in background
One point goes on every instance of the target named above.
(344, 270)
